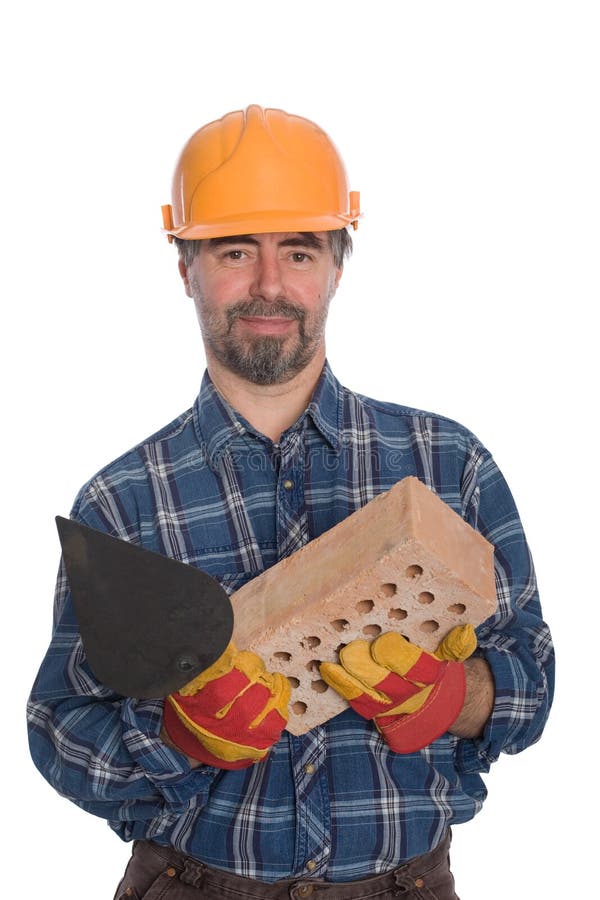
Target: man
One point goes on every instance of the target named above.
(219, 798)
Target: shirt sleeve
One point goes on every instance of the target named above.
(99, 749)
(515, 641)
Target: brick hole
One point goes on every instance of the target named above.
(426, 597)
(282, 656)
(429, 626)
(313, 665)
(340, 647)
(319, 686)
(458, 608)
(372, 630)
(365, 606)
(310, 642)
(340, 624)
(397, 613)
(414, 571)
(389, 589)
(299, 708)
(294, 682)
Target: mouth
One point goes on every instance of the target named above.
(275, 325)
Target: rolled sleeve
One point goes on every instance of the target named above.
(515, 641)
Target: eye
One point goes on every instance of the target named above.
(299, 257)
(234, 254)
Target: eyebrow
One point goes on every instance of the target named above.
(302, 239)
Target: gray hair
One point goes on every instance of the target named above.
(340, 244)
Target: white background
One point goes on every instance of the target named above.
(471, 130)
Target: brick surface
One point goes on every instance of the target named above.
(404, 562)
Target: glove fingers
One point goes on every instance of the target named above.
(231, 714)
(255, 706)
(216, 696)
(357, 674)
(405, 659)
(357, 660)
(458, 644)
(366, 700)
(216, 708)
(280, 691)
(346, 685)
(226, 679)
(205, 746)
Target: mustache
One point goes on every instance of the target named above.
(278, 309)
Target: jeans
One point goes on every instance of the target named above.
(156, 872)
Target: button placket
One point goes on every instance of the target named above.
(313, 845)
(292, 522)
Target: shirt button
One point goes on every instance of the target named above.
(311, 865)
(310, 769)
(288, 484)
(171, 872)
(419, 883)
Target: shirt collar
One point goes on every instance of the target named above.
(217, 423)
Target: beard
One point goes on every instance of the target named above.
(263, 359)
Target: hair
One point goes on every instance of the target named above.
(340, 244)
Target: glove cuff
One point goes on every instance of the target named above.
(189, 744)
(413, 731)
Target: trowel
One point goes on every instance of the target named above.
(149, 624)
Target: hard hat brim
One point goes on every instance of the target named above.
(264, 223)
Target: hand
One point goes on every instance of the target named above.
(231, 714)
(412, 696)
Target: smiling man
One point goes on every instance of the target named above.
(262, 303)
(220, 800)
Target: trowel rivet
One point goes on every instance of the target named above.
(186, 663)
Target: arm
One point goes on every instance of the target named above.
(515, 642)
(99, 749)
(414, 698)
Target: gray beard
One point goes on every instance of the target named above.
(262, 360)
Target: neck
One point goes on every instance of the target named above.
(269, 408)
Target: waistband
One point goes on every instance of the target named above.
(411, 876)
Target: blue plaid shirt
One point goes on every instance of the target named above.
(335, 803)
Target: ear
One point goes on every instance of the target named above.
(183, 271)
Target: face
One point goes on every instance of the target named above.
(262, 301)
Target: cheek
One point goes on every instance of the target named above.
(219, 287)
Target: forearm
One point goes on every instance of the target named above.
(100, 750)
(515, 641)
(479, 700)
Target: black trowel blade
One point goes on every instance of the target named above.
(149, 624)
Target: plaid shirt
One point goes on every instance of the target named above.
(335, 803)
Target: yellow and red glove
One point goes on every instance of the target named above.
(412, 696)
(231, 714)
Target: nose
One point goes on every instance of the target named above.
(267, 280)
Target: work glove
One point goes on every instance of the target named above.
(231, 714)
(412, 696)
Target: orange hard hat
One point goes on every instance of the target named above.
(255, 171)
